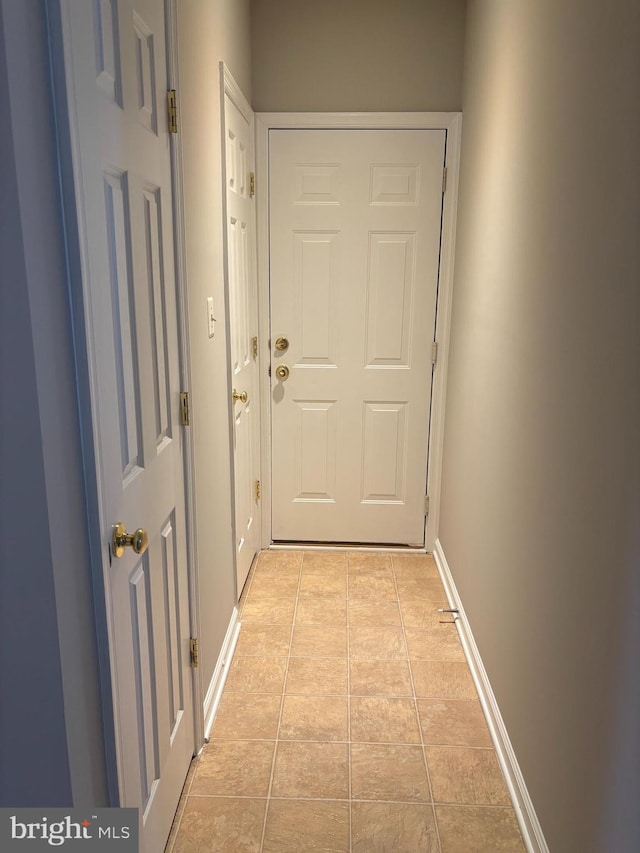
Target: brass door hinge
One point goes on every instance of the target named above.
(434, 352)
(254, 344)
(444, 180)
(426, 505)
(184, 408)
(194, 652)
(172, 111)
(258, 490)
(252, 184)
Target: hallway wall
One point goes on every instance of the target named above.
(209, 31)
(361, 55)
(540, 481)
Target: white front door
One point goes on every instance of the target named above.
(243, 320)
(355, 220)
(116, 69)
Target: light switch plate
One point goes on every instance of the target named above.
(211, 318)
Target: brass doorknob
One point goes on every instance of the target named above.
(120, 539)
(242, 397)
(282, 371)
(282, 344)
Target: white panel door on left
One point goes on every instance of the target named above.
(243, 321)
(116, 70)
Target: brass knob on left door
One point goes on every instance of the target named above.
(120, 540)
(242, 397)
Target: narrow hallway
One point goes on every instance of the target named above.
(349, 720)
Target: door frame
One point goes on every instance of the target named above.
(451, 123)
(98, 524)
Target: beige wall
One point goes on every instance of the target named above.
(357, 55)
(209, 31)
(540, 480)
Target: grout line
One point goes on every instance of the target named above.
(415, 705)
(284, 686)
(487, 806)
(350, 790)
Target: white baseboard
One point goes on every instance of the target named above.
(525, 812)
(216, 685)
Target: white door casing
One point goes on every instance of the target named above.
(355, 227)
(116, 72)
(240, 266)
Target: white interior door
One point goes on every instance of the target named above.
(355, 219)
(243, 320)
(115, 60)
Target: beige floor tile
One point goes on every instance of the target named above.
(377, 643)
(393, 828)
(388, 772)
(236, 768)
(256, 639)
(372, 587)
(314, 718)
(321, 611)
(484, 830)
(311, 770)
(372, 613)
(255, 674)
(442, 680)
(297, 826)
(414, 565)
(319, 641)
(317, 676)
(421, 589)
(322, 561)
(453, 722)
(384, 720)
(372, 562)
(270, 584)
(332, 584)
(466, 776)
(279, 562)
(221, 825)
(379, 678)
(247, 716)
(223, 809)
(440, 642)
(422, 614)
(269, 610)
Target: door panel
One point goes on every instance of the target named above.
(115, 61)
(243, 318)
(354, 253)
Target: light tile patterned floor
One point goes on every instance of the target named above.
(349, 721)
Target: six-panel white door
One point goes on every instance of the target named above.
(116, 67)
(355, 218)
(243, 322)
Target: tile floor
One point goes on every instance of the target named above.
(349, 721)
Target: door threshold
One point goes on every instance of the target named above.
(347, 546)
